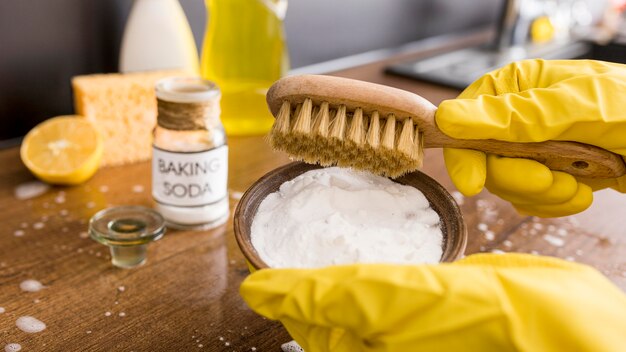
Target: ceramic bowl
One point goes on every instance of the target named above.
(451, 219)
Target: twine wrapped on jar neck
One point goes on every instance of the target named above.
(188, 116)
(187, 104)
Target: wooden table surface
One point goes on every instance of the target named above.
(186, 297)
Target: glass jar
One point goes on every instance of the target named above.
(190, 155)
(244, 52)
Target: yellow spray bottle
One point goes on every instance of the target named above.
(244, 52)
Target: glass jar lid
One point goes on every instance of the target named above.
(126, 226)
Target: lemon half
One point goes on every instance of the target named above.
(63, 150)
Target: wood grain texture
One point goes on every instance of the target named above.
(187, 293)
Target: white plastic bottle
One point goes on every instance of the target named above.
(158, 36)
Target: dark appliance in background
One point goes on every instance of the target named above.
(461, 67)
(43, 43)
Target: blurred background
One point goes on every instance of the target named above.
(43, 43)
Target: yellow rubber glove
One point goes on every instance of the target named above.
(534, 101)
(486, 302)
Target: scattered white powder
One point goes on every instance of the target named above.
(90, 205)
(538, 226)
(31, 286)
(235, 195)
(553, 240)
(107, 314)
(339, 216)
(2, 310)
(458, 197)
(562, 232)
(121, 288)
(579, 252)
(83, 234)
(507, 244)
(60, 198)
(29, 324)
(483, 227)
(489, 214)
(490, 235)
(122, 314)
(18, 233)
(483, 203)
(12, 347)
(497, 251)
(38, 225)
(63, 212)
(30, 190)
(137, 188)
(104, 188)
(573, 221)
(291, 346)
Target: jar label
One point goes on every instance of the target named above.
(189, 178)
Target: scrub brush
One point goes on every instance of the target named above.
(349, 123)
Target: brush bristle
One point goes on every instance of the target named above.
(335, 136)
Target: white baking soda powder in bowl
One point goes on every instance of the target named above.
(334, 216)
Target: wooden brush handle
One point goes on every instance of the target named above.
(574, 158)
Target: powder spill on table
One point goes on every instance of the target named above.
(30, 324)
(31, 285)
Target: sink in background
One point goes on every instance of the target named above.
(612, 52)
(459, 68)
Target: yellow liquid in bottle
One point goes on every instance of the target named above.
(244, 52)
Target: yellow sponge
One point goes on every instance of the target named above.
(123, 107)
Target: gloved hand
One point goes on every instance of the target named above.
(534, 101)
(485, 302)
